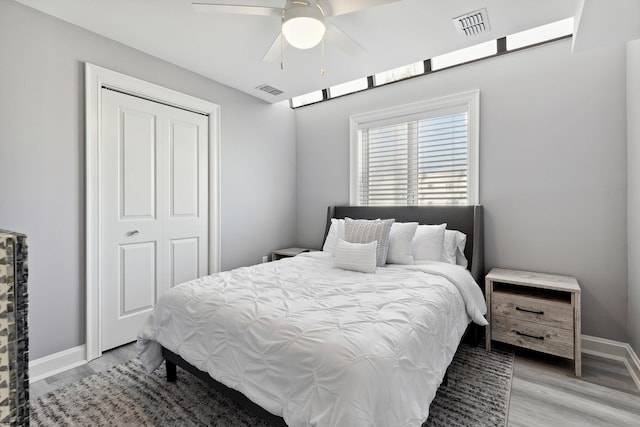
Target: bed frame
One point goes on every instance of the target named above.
(467, 219)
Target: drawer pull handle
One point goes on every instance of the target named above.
(530, 311)
(530, 336)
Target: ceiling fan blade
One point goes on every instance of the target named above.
(341, 7)
(274, 50)
(243, 7)
(335, 37)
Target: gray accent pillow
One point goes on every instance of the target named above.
(366, 231)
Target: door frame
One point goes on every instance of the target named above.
(95, 79)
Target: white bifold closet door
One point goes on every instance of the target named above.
(153, 208)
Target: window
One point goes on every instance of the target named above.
(348, 87)
(399, 73)
(461, 56)
(540, 34)
(523, 39)
(306, 99)
(417, 154)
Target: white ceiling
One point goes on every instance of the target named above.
(228, 48)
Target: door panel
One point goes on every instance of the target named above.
(184, 170)
(137, 277)
(184, 260)
(187, 212)
(137, 164)
(153, 208)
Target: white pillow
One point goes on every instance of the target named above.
(400, 239)
(368, 230)
(356, 256)
(454, 242)
(461, 259)
(428, 243)
(336, 231)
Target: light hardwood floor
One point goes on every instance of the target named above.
(544, 391)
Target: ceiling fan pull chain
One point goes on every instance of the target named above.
(282, 44)
(322, 66)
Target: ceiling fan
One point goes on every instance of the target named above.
(304, 23)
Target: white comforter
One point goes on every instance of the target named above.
(318, 345)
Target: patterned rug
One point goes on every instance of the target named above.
(477, 394)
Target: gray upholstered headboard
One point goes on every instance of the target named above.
(467, 219)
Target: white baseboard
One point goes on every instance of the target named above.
(58, 362)
(616, 350)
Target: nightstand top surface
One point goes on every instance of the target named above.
(291, 251)
(537, 280)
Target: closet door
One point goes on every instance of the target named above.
(153, 208)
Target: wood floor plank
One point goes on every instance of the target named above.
(115, 357)
(70, 376)
(537, 404)
(544, 393)
(609, 373)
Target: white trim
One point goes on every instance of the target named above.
(44, 367)
(615, 350)
(96, 78)
(470, 99)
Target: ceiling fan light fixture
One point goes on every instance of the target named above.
(303, 26)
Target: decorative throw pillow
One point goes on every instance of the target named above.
(356, 256)
(400, 238)
(336, 231)
(366, 231)
(454, 242)
(428, 243)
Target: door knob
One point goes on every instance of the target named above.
(133, 233)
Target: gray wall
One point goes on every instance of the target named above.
(42, 161)
(633, 200)
(552, 165)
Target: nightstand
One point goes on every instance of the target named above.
(287, 252)
(536, 311)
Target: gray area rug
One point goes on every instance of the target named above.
(477, 394)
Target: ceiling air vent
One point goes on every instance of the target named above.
(472, 23)
(269, 89)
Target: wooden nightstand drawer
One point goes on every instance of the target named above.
(548, 339)
(530, 309)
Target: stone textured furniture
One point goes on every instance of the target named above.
(14, 341)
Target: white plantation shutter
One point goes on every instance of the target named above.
(414, 163)
(416, 157)
(385, 165)
(442, 160)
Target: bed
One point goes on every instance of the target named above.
(305, 343)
